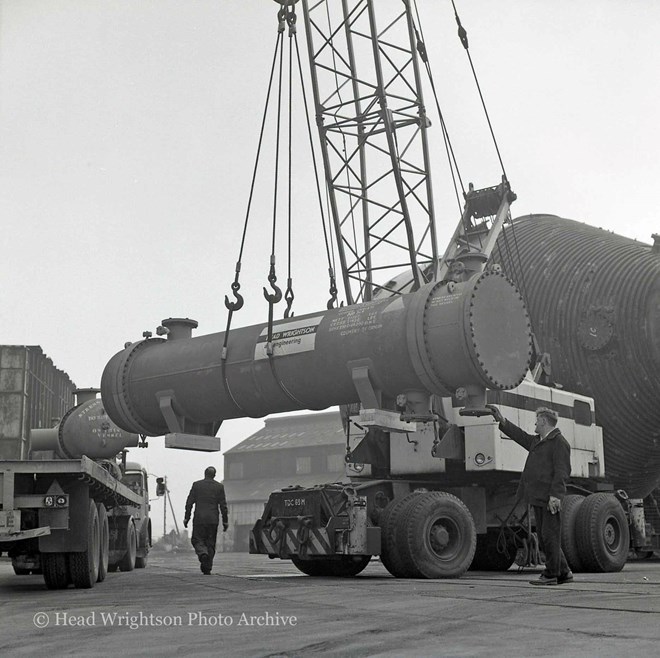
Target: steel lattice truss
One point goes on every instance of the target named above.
(373, 129)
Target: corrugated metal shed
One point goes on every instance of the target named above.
(294, 432)
(33, 394)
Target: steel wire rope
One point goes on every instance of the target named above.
(235, 286)
(462, 35)
(451, 156)
(274, 297)
(329, 245)
(289, 295)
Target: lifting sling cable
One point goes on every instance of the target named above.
(276, 296)
(462, 35)
(288, 295)
(235, 286)
(285, 15)
(451, 156)
(329, 247)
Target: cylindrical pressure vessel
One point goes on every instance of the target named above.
(84, 430)
(594, 302)
(450, 339)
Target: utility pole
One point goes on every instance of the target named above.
(162, 490)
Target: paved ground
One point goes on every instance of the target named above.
(252, 606)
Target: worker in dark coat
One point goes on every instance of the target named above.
(208, 497)
(543, 485)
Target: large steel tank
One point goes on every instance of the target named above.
(594, 302)
(457, 338)
(84, 430)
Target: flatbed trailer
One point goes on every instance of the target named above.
(71, 519)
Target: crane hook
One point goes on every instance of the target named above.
(289, 297)
(238, 304)
(277, 295)
(333, 294)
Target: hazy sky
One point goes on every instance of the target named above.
(128, 130)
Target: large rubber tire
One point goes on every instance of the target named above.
(141, 562)
(348, 566)
(20, 571)
(56, 570)
(441, 537)
(345, 566)
(489, 554)
(84, 565)
(104, 542)
(317, 567)
(127, 562)
(603, 536)
(570, 506)
(390, 534)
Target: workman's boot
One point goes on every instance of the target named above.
(544, 580)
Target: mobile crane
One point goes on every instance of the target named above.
(413, 359)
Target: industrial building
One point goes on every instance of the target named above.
(304, 449)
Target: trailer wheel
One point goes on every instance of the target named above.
(127, 562)
(345, 566)
(348, 566)
(56, 570)
(493, 553)
(316, 567)
(84, 565)
(602, 533)
(104, 542)
(570, 506)
(441, 536)
(390, 550)
(20, 571)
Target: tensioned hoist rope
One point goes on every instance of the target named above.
(235, 286)
(329, 246)
(451, 156)
(462, 35)
(288, 294)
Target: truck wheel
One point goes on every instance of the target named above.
(56, 571)
(603, 536)
(570, 506)
(140, 562)
(127, 563)
(317, 567)
(104, 542)
(84, 565)
(348, 566)
(20, 571)
(390, 551)
(493, 552)
(441, 536)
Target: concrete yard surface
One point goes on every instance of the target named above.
(253, 606)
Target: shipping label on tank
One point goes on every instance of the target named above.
(288, 338)
(357, 319)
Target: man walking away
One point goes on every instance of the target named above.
(543, 485)
(208, 496)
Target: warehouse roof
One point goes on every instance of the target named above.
(294, 432)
